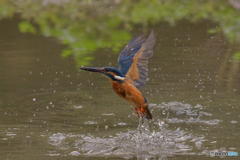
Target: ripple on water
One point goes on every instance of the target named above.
(158, 141)
(132, 143)
(56, 139)
(90, 122)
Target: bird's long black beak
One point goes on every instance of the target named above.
(93, 69)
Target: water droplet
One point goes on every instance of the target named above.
(78, 107)
(234, 122)
(74, 153)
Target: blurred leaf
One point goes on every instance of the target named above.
(214, 30)
(26, 26)
(6, 10)
(67, 52)
(86, 26)
(236, 56)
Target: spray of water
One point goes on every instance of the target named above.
(159, 138)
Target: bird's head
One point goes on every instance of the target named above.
(110, 72)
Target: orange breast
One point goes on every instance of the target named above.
(129, 92)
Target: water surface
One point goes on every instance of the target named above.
(49, 109)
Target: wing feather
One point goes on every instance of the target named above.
(134, 64)
(127, 54)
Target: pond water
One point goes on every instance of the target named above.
(50, 110)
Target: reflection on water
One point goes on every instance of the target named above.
(50, 110)
(158, 141)
(108, 24)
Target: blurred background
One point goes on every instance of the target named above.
(49, 109)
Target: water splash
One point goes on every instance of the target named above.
(156, 139)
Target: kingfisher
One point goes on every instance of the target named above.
(131, 73)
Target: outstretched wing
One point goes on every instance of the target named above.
(133, 60)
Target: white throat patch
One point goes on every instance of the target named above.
(119, 78)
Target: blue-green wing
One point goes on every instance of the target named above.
(126, 56)
(133, 60)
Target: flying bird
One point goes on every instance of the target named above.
(131, 73)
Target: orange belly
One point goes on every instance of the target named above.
(129, 92)
(133, 95)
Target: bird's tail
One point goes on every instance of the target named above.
(147, 114)
(144, 112)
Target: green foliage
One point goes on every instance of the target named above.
(6, 10)
(236, 56)
(26, 26)
(84, 26)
